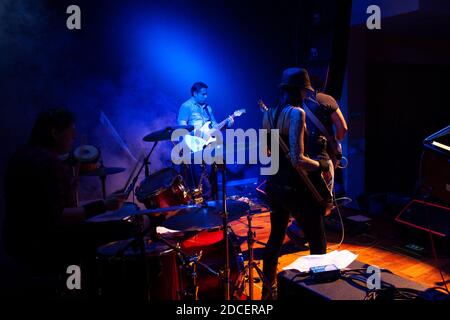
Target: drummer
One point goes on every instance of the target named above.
(42, 217)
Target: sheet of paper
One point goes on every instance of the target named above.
(340, 259)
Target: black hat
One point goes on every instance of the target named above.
(296, 77)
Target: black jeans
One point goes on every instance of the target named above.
(305, 210)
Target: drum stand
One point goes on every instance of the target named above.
(248, 270)
(226, 272)
(191, 262)
(103, 181)
(139, 237)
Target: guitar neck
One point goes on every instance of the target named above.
(220, 125)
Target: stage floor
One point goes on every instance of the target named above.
(380, 245)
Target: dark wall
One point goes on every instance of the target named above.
(396, 89)
(405, 104)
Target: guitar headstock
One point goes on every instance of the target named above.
(262, 105)
(239, 112)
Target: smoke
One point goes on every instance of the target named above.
(44, 65)
(134, 109)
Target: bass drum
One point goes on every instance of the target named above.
(122, 275)
(211, 244)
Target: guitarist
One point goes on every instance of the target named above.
(196, 112)
(323, 118)
(286, 191)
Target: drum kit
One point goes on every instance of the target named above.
(184, 249)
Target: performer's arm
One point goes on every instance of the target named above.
(296, 140)
(183, 115)
(339, 122)
(336, 115)
(80, 214)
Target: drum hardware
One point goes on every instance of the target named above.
(124, 276)
(87, 156)
(165, 134)
(226, 271)
(151, 213)
(190, 263)
(162, 189)
(197, 196)
(199, 217)
(145, 163)
(206, 216)
(90, 164)
(247, 272)
(102, 172)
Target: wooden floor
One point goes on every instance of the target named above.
(380, 247)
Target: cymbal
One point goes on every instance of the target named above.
(207, 216)
(165, 134)
(103, 171)
(123, 213)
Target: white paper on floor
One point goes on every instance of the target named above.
(340, 259)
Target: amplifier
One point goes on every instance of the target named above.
(292, 285)
(426, 216)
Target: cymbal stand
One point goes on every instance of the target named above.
(139, 241)
(139, 237)
(215, 192)
(248, 270)
(226, 271)
(146, 162)
(103, 181)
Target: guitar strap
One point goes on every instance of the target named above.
(205, 107)
(317, 122)
(272, 126)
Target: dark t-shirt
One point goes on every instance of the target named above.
(323, 106)
(37, 189)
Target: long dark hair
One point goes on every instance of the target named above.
(289, 96)
(57, 119)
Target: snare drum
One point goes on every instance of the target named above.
(164, 188)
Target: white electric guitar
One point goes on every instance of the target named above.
(202, 137)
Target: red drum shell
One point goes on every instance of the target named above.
(164, 188)
(121, 274)
(211, 243)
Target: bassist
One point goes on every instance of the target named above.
(286, 191)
